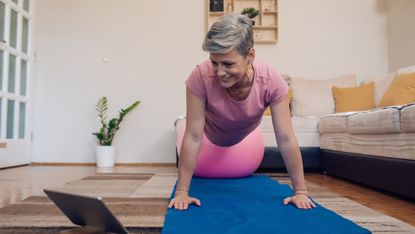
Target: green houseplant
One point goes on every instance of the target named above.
(251, 13)
(105, 151)
(108, 129)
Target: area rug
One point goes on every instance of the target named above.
(249, 205)
(139, 201)
(364, 216)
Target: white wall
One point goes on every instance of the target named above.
(152, 46)
(401, 33)
(321, 39)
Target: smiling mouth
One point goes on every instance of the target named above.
(225, 79)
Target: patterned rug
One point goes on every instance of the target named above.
(373, 220)
(139, 201)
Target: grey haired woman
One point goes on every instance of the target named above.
(226, 97)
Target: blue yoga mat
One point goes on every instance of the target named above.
(251, 205)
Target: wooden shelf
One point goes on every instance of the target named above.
(216, 14)
(264, 27)
(266, 42)
(266, 22)
(270, 12)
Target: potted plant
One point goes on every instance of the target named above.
(105, 151)
(251, 13)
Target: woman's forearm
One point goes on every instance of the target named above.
(187, 161)
(293, 162)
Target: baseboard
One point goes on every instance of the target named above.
(147, 164)
(21, 165)
(94, 164)
(61, 164)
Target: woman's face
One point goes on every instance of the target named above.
(231, 67)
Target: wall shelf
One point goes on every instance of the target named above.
(271, 27)
(216, 14)
(270, 12)
(266, 22)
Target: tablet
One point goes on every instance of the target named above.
(86, 211)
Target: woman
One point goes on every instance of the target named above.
(231, 83)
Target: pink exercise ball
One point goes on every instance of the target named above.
(234, 161)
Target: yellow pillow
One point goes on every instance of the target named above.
(400, 92)
(267, 111)
(354, 98)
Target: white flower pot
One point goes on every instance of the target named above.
(105, 155)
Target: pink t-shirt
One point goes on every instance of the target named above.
(228, 121)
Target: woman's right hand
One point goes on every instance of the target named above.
(181, 201)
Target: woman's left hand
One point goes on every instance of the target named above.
(301, 201)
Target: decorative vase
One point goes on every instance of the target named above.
(105, 155)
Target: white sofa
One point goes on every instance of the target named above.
(311, 99)
(308, 137)
(374, 147)
(306, 130)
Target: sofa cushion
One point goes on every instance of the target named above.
(408, 118)
(314, 97)
(377, 121)
(300, 124)
(397, 145)
(381, 85)
(400, 92)
(305, 129)
(305, 124)
(354, 98)
(334, 123)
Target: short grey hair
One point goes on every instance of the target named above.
(231, 31)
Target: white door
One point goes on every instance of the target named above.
(16, 60)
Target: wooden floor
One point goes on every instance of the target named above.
(391, 205)
(18, 183)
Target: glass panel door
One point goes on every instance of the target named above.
(2, 18)
(10, 119)
(13, 29)
(16, 61)
(12, 73)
